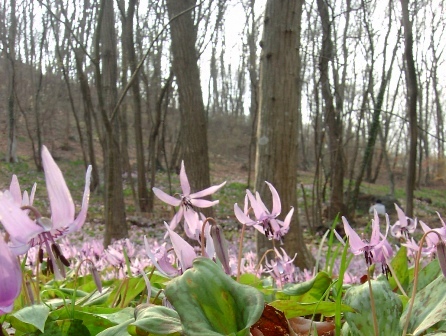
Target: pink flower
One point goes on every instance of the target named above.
(371, 248)
(10, 278)
(282, 268)
(404, 226)
(187, 200)
(266, 221)
(25, 232)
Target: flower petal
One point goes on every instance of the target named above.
(200, 203)
(356, 243)
(207, 191)
(185, 186)
(185, 252)
(166, 198)
(277, 206)
(80, 219)
(241, 217)
(15, 221)
(14, 189)
(61, 203)
(401, 216)
(10, 278)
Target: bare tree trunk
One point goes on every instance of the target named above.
(193, 119)
(115, 224)
(333, 119)
(278, 124)
(11, 152)
(412, 92)
(129, 45)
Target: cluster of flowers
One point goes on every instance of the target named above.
(43, 240)
(26, 227)
(28, 232)
(377, 249)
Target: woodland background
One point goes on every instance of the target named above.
(341, 93)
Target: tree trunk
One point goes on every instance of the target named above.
(333, 119)
(412, 92)
(193, 119)
(11, 152)
(277, 132)
(115, 224)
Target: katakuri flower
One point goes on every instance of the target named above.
(363, 246)
(187, 200)
(404, 226)
(282, 268)
(266, 221)
(25, 232)
(10, 278)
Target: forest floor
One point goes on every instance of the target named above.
(429, 199)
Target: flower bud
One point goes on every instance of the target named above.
(221, 246)
(441, 254)
(96, 277)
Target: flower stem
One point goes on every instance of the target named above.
(240, 252)
(372, 305)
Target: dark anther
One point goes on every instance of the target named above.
(40, 255)
(64, 260)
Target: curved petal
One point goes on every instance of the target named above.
(374, 239)
(80, 219)
(61, 203)
(16, 222)
(14, 189)
(199, 203)
(10, 278)
(166, 198)
(207, 191)
(356, 243)
(241, 217)
(401, 216)
(185, 186)
(277, 206)
(185, 252)
(258, 208)
(287, 221)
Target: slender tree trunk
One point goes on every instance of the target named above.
(333, 119)
(115, 224)
(412, 93)
(11, 152)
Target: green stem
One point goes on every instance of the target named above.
(372, 305)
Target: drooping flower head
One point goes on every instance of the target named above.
(282, 268)
(363, 246)
(187, 201)
(41, 231)
(265, 221)
(404, 226)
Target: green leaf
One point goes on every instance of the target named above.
(125, 291)
(209, 302)
(293, 308)
(311, 290)
(428, 274)
(96, 319)
(156, 320)
(400, 266)
(119, 330)
(30, 318)
(429, 306)
(388, 309)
